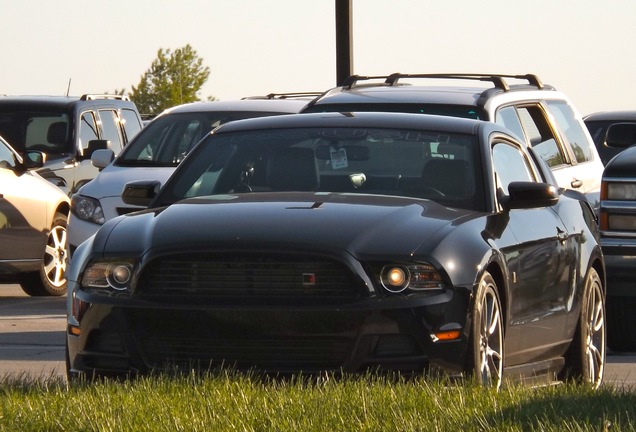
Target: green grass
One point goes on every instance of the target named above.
(235, 402)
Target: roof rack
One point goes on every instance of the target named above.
(104, 96)
(286, 95)
(497, 79)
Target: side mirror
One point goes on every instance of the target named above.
(527, 195)
(140, 193)
(33, 159)
(101, 158)
(94, 145)
(621, 135)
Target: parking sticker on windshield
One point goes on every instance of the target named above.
(339, 158)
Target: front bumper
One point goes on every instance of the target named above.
(620, 264)
(78, 231)
(120, 338)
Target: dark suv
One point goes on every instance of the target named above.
(68, 130)
(599, 122)
(618, 235)
(537, 113)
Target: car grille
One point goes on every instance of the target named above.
(280, 338)
(240, 278)
(263, 353)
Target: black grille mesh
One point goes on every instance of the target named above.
(250, 277)
(262, 353)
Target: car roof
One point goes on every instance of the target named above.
(51, 101)
(407, 88)
(361, 119)
(611, 115)
(402, 93)
(291, 105)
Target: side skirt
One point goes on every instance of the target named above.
(535, 374)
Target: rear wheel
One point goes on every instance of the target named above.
(486, 341)
(585, 360)
(51, 279)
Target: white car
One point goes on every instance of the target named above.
(33, 219)
(156, 151)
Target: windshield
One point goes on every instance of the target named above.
(166, 140)
(422, 164)
(462, 111)
(46, 131)
(598, 130)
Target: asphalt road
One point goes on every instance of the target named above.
(32, 332)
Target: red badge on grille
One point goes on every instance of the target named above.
(309, 279)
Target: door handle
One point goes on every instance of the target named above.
(562, 236)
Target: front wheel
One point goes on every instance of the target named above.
(585, 359)
(485, 360)
(51, 279)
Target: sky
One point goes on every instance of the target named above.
(254, 47)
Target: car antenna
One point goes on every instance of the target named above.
(68, 89)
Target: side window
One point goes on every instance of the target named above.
(574, 132)
(132, 124)
(6, 156)
(110, 129)
(541, 137)
(508, 118)
(510, 165)
(88, 129)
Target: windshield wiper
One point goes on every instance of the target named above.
(144, 163)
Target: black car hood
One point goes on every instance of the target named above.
(360, 224)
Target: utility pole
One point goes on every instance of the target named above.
(344, 40)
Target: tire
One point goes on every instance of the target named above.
(50, 280)
(585, 359)
(621, 326)
(486, 348)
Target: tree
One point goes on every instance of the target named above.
(173, 78)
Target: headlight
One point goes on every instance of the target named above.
(618, 222)
(88, 209)
(619, 191)
(116, 275)
(417, 277)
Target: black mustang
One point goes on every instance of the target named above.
(346, 242)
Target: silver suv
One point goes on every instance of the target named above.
(539, 114)
(68, 129)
